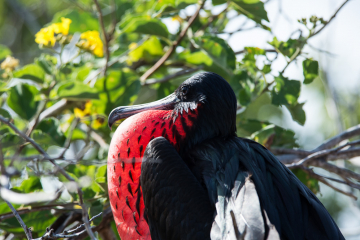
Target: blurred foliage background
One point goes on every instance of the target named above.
(66, 64)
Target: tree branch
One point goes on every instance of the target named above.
(322, 179)
(51, 235)
(36, 209)
(332, 17)
(172, 48)
(23, 225)
(321, 153)
(349, 133)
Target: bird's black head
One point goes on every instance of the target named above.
(207, 94)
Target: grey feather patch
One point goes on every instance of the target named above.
(239, 216)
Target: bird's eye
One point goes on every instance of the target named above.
(184, 90)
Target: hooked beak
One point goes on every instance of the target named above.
(122, 112)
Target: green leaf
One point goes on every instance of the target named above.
(287, 48)
(114, 228)
(150, 50)
(21, 100)
(5, 113)
(215, 55)
(311, 70)
(42, 138)
(77, 91)
(269, 134)
(266, 69)
(4, 51)
(220, 50)
(147, 25)
(32, 71)
(46, 62)
(96, 208)
(218, 2)
(311, 183)
(101, 171)
(3, 87)
(121, 89)
(253, 9)
(29, 185)
(244, 97)
(298, 113)
(286, 92)
(165, 89)
(10, 140)
(77, 134)
(37, 221)
(80, 21)
(51, 126)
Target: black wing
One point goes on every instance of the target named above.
(221, 165)
(176, 205)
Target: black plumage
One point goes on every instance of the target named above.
(220, 186)
(177, 206)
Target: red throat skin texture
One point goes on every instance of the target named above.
(124, 165)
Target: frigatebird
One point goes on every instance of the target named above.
(177, 170)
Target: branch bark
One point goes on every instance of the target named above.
(331, 18)
(172, 48)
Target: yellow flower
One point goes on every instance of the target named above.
(10, 63)
(80, 113)
(92, 43)
(46, 36)
(62, 27)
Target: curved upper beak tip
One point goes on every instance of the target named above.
(111, 119)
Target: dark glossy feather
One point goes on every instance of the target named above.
(290, 206)
(248, 192)
(176, 205)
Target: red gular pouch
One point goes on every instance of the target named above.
(124, 164)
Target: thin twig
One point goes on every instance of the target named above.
(321, 153)
(349, 133)
(57, 167)
(23, 225)
(68, 139)
(21, 211)
(50, 234)
(239, 30)
(210, 20)
(332, 17)
(322, 179)
(337, 170)
(172, 48)
(292, 58)
(36, 118)
(171, 76)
